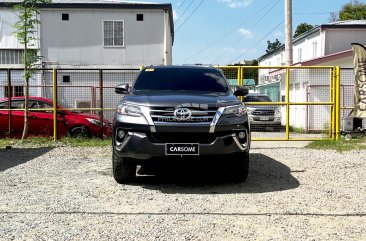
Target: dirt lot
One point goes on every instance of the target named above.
(292, 193)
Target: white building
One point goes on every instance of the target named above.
(94, 33)
(325, 45)
(88, 34)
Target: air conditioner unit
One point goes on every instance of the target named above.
(83, 104)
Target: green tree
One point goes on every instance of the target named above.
(273, 45)
(302, 28)
(355, 10)
(26, 32)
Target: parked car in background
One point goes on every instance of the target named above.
(262, 116)
(41, 121)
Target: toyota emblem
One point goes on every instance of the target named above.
(182, 114)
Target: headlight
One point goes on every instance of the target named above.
(238, 110)
(131, 110)
(94, 121)
(277, 112)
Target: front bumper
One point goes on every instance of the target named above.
(138, 145)
(270, 121)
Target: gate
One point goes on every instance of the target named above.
(297, 103)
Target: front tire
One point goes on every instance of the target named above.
(79, 132)
(239, 167)
(124, 170)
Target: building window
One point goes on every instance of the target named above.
(66, 78)
(315, 49)
(299, 55)
(139, 17)
(65, 17)
(13, 56)
(113, 33)
(16, 91)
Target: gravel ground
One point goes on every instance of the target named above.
(292, 193)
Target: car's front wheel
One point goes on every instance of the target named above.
(124, 170)
(239, 167)
(79, 131)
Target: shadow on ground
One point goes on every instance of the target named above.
(211, 177)
(10, 158)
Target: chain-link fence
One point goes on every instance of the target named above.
(285, 103)
(84, 97)
(290, 103)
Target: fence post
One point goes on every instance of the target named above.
(239, 74)
(10, 94)
(338, 102)
(287, 103)
(101, 114)
(54, 77)
(332, 100)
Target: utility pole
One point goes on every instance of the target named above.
(288, 33)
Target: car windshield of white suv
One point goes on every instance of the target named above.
(258, 98)
(181, 79)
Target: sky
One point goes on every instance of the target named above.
(222, 32)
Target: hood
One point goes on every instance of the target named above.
(172, 99)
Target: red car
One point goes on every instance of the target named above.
(41, 121)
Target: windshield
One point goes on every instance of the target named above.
(258, 98)
(181, 79)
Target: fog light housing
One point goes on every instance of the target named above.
(121, 134)
(241, 135)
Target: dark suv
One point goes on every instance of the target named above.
(180, 111)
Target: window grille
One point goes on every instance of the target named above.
(16, 91)
(13, 56)
(113, 33)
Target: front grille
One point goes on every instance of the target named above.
(184, 137)
(166, 115)
(263, 112)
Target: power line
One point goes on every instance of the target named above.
(258, 41)
(226, 34)
(181, 5)
(251, 27)
(199, 5)
(184, 12)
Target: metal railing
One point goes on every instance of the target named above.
(314, 110)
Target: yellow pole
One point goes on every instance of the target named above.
(54, 104)
(332, 99)
(287, 103)
(240, 79)
(338, 102)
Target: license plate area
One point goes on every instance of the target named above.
(182, 149)
(264, 118)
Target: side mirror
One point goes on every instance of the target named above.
(240, 91)
(122, 89)
(61, 112)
